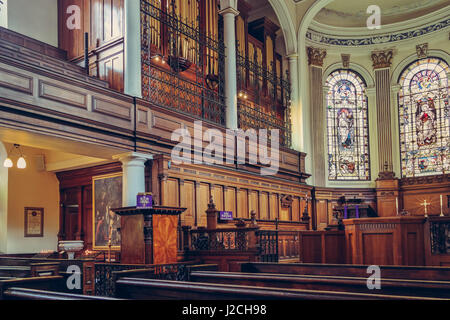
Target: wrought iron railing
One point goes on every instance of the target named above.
(440, 236)
(182, 67)
(268, 245)
(105, 280)
(220, 239)
(253, 77)
(252, 116)
(264, 99)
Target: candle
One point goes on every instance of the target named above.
(442, 213)
(396, 204)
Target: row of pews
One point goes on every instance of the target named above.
(263, 281)
(37, 279)
(255, 281)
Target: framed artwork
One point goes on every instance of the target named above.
(34, 222)
(106, 195)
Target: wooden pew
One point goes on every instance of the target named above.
(401, 287)
(23, 267)
(387, 272)
(150, 289)
(52, 283)
(33, 294)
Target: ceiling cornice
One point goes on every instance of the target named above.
(338, 36)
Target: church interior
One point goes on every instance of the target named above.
(134, 149)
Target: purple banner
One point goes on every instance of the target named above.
(144, 202)
(357, 211)
(226, 215)
(345, 212)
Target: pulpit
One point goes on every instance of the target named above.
(149, 236)
(385, 241)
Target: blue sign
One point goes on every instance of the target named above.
(226, 215)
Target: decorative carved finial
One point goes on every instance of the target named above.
(345, 60)
(422, 50)
(253, 218)
(316, 56)
(211, 205)
(382, 59)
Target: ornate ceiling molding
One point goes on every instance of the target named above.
(325, 39)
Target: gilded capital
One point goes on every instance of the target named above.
(382, 59)
(422, 50)
(316, 56)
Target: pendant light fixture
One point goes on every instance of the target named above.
(21, 163)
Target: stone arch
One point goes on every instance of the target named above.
(287, 25)
(3, 199)
(365, 74)
(413, 57)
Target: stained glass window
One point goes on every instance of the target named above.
(347, 125)
(424, 118)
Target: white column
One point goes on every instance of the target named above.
(132, 50)
(133, 166)
(295, 103)
(228, 9)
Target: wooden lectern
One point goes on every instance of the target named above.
(149, 236)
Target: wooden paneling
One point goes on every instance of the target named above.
(202, 200)
(173, 193)
(188, 202)
(230, 199)
(378, 249)
(325, 199)
(322, 246)
(243, 211)
(164, 239)
(264, 206)
(104, 21)
(385, 241)
(16, 81)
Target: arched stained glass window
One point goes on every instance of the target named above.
(424, 118)
(348, 130)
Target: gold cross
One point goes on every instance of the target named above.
(426, 204)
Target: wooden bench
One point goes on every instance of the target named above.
(33, 294)
(52, 283)
(22, 268)
(423, 288)
(151, 289)
(387, 272)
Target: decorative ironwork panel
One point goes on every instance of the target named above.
(440, 237)
(251, 116)
(182, 65)
(213, 240)
(424, 118)
(268, 245)
(270, 104)
(104, 278)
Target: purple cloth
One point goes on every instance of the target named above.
(345, 212)
(357, 211)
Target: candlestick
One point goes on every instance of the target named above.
(396, 204)
(442, 213)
